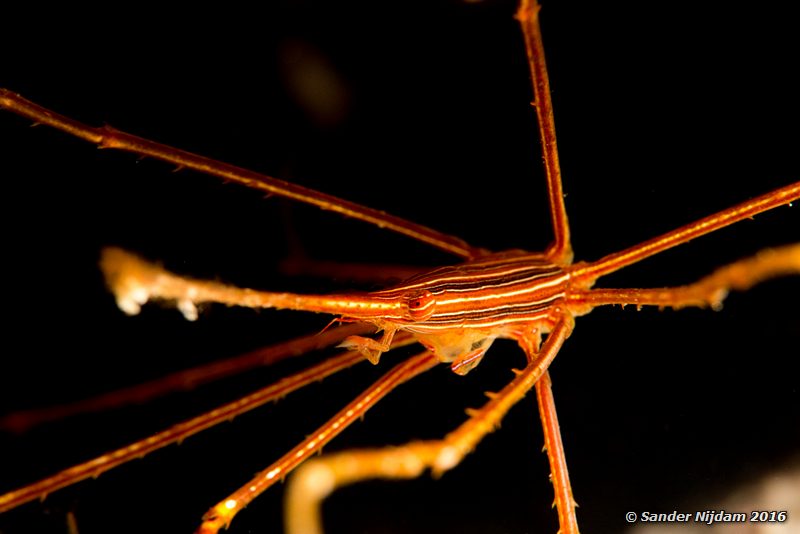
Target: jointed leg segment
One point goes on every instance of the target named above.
(564, 501)
(591, 271)
(371, 348)
(107, 137)
(320, 476)
(560, 252)
(221, 515)
(181, 431)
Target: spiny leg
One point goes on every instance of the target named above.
(564, 501)
(107, 137)
(319, 477)
(181, 431)
(588, 272)
(553, 445)
(223, 513)
(560, 251)
(708, 291)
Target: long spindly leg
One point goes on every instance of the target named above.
(587, 273)
(107, 137)
(223, 513)
(184, 380)
(708, 291)
(181, 431)
(560, 251)
(564, 501)
(321, 476)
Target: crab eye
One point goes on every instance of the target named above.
(421, 304)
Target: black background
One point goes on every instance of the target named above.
(663, 115)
